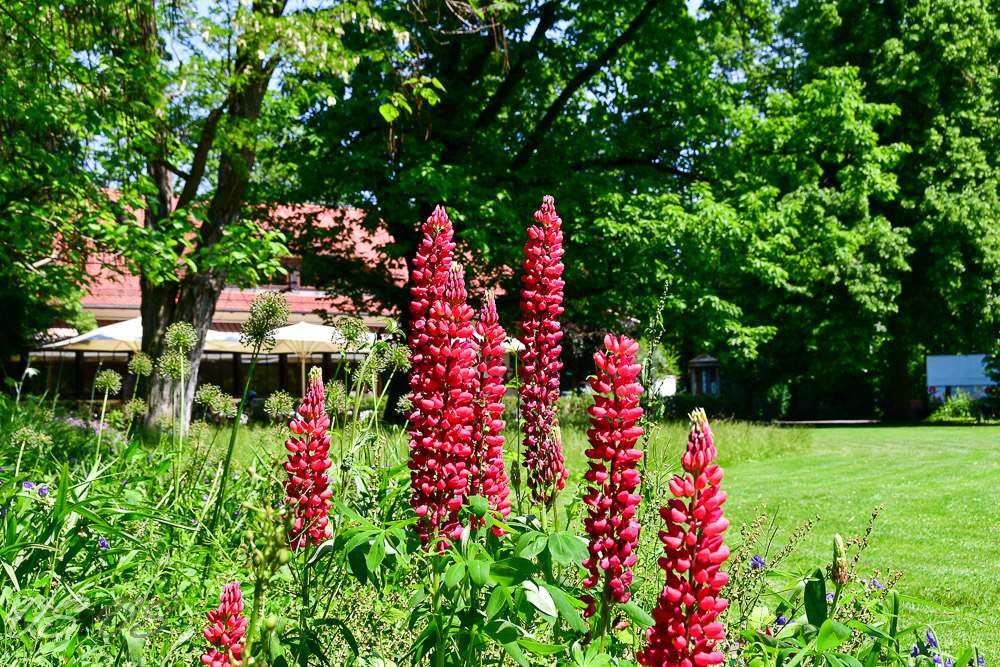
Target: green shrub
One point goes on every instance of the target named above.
(959, 407)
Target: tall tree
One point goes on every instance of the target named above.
(938, 63)
(681, 150)
(166, 101)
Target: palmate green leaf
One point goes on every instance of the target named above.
(539, 648)
(530, 544)
(499, 600)
(376, 554)
(479, 571)
(511, 571)
(638, 615)
(567, 549)
(815, 598)
(566, 609)
(831, 635)
(454, 575)
(540, 598)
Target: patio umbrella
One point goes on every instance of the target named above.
(302, 339)
(122, 337)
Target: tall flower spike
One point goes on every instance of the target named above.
(686, 630)
(541, 303)
(613, 479)
(487, 475)
(308, 486)
(429, 275)
(441, 433)
(226, 630)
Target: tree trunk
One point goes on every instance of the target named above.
(898, 382)
(194, 298)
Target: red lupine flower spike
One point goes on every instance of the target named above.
(227, 629)
(308, 489)
(442, 376)
(541, 303)
(488, 476)
(429, 275)
(686, 628)
(613, 477)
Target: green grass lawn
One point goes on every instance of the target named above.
(941, 522)
(940, 486)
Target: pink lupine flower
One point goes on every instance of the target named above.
(613, 479)
(429, 275)
(441, 434)
(685, 631)
(226, 631)
(308, 486)
(488, 476)
(541, 303)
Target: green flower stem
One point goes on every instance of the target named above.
(20, 453)
(602, 629)
(100, 428)
(232, 442)
(258, 598)
(182, 401)
(131, 419)
(304, 610)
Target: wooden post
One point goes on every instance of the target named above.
(78, 374)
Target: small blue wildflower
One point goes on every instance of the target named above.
(829, 597)
(782, 620)
(876, 584)
(28, 486)
(236, 513)
(235, 476)
(916, 651)
(72, 460)
(124, 483)
(43, 490)
(757, 563)
(982, 660)
(149, 457)
(204, 496)
(947, 662)
(931, 640)
(194, 522)
(206, 480)
(103, 543)
(937, 659)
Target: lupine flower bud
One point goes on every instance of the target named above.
(307, 489)
(686, 628)
(541, 303)
(487, 475)
(838, 571)
(443, 361)
(226, 631)
(613, 479)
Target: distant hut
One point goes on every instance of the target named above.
(703, 376)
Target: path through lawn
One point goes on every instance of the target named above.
(941, 522)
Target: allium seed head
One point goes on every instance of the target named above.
(181, 337)
(268, 311)
(108, 382)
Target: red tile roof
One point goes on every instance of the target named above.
(116, 288)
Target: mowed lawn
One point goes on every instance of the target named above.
(941, 522)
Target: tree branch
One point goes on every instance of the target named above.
(545, 124)
(613, 163)
(546, 19)
(192, 181)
